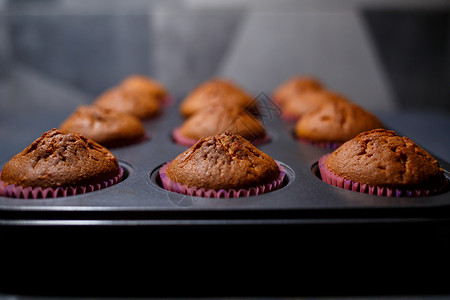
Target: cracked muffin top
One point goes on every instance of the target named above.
(214, 92)
(294, 86)
(215, 120)
(105, 126)
(60, 159)
(223, 161)
(382, 158)
(337, 121)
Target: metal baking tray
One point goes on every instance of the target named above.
(271, 238)
(139, 198)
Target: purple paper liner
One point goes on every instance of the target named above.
(321, 144)
(176, 187)
(167, 101)
(13, 191)
(329, 177)
(288, 117)
(181, 139)
(188, 142)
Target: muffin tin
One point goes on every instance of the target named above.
(271, 238)
(303, 194)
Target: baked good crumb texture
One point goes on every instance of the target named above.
(223, 161)
(382, 158)
(60, 159)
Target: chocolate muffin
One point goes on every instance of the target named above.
(223, 162)
(144, 85)
(130, 102)
(60, 160)
(108, 127)
(214, 120)
(294, 86)
(215, 92)
(335, 123)
(298, 105)
(380, 158)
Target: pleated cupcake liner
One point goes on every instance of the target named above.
(179, 188)
(329, 177)
(321, 144)
(180, 139)
(13, 191)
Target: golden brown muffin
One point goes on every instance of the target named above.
(215, 92)
(108, 127)
(298, 105)
(144, 85)
(60, 159)
(335, 122)
(123, 100)
(224, 161)
(382, 158)
(212, 121)
(295, 85)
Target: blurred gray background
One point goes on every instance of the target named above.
(391, 57)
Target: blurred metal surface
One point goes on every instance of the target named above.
(378, 53)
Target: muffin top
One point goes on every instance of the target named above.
(60, 159)
(215, 120)
(382, 158)
(105, 126)
(298, 105)
(214, 92)
(144, 85)
(124, 100)
(294, 86)
(223, 161)
(336, 121)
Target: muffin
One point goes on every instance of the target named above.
(108, 127)
(59, 164)
(130, 102)
(223, 165)
(296, 85)
(334, 123)
(215, 120)
(146, 86)
(382, 163)
(213, 93)
(298, 105)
